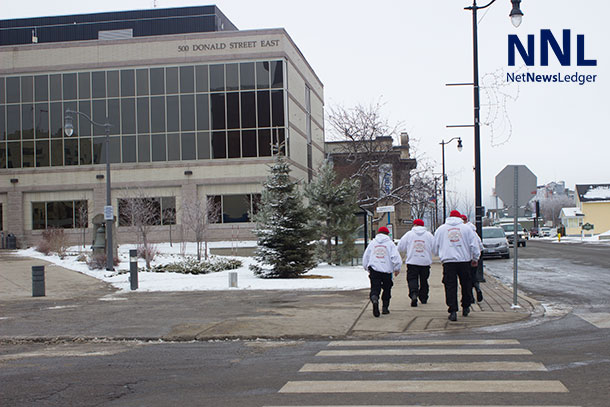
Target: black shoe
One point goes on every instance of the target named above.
(385, 310)
(414, 300)
(479, 295)
(453, 316)
(466, 311)
(423, 301)
(375, 302)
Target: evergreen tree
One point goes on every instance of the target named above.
(285, 240)
(333, 206)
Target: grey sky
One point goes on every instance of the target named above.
(403, 52)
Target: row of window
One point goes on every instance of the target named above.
(142, 81)
(142, 148)
(135, 211)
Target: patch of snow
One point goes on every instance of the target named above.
(599, 192)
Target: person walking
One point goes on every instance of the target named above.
(474, 271)
(458, 249)
(381, 259)
(417, 245)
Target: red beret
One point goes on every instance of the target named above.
(418, 222)
(455, 214)
(383, 229)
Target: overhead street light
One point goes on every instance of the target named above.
(459, 147)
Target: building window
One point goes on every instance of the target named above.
(59, 214)
(236, 208)
(147, 211)
(1, 224)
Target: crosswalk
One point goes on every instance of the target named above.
(347, 369)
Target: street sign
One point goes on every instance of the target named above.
(588, 226)
(383, 209)
(505, 185)
(108, 213)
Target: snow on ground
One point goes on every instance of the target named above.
(337, 277)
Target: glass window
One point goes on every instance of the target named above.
(55, 87)
(27, 88)
(42, 153)
(112, 84)
(39, 220)
(203, 112)
(279, 140)
(69, 86)
(99, 116)
(81, 214)
(128, 85)
(2, 123)
(264, 143)
(84, 85)
(27, 121)
(246, 73)
(158, 147)
(41, 120)
(143, 148)
(263, 108)
(57, 120)
(13, 89)
(2, 88)
(187, 79)
(129, 149)
(233, 110)
(217, 202)
(115, 149)
(277, 107)
(235, 208)
(168, 210)
(71, 151)
(248, 143)
(84, 126)
(85, 151)
(157, 114)
(189, 150)
(187, 112)
(13, 122)
(173, 111)
(14, 154)
(173, 147)
(232, 76)
(262, 75)
(218, 110)
(2, 155)
(203, 145)
(57, 153)
(114, 117)
(157, 81)
(98, 84)
(201, 77)
(217, 77)
(60, 214)
(234, 144)
(41, 88)
(277, 74)
(248, 110)
(99, 150)
(142, 82)
(28, 154)
(171, 80)
(219, 144)
(143, 115)
(128, 116)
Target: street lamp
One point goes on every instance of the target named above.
(108, 212)
(459, 147)
(516, 17)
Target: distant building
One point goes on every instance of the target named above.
(572, 220)
(593, 200)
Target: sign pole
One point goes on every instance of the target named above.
(515, 237)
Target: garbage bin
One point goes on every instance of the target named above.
(2, 244)
(11, 241)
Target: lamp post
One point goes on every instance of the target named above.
(108, 212)
(459, 147)
(516, 16)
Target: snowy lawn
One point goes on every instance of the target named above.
(323, 277)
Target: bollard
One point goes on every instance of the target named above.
(38, 289)
(233, 279)
(133, 268)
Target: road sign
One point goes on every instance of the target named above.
(524, 179)
(383, 209)
(108, 213)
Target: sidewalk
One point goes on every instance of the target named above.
(79, 307)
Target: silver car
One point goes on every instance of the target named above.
(495, 243)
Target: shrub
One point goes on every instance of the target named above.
(149, 251)
(53, 240)
(194, 266)
(98, 261)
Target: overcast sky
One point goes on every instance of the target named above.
(403, 52)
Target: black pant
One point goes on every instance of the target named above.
(381, 281)
(474, 279)
(417, 280)
(451, 273)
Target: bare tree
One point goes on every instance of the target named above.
(197, 215)
(551, 207)
(82, 219)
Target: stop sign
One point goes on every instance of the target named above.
(522, 177)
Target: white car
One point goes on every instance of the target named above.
(495, 243)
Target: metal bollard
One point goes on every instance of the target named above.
(133, 268)
(233, 279)
(38, 289)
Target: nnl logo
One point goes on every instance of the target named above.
(546, 39)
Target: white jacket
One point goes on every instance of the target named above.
(382, 255)
(417, 244)
(454, 241)
(474, 228)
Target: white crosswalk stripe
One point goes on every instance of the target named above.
(424, 367)
(425, 351)
(598, 319)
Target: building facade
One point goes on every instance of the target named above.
(197, 110)
(593, 201)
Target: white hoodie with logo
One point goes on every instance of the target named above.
(417, 244)
(455, 242)
(382, 255)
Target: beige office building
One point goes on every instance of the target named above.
(196, 107)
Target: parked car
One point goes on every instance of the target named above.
(495, 243)
(509, 230)
(545, 231)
